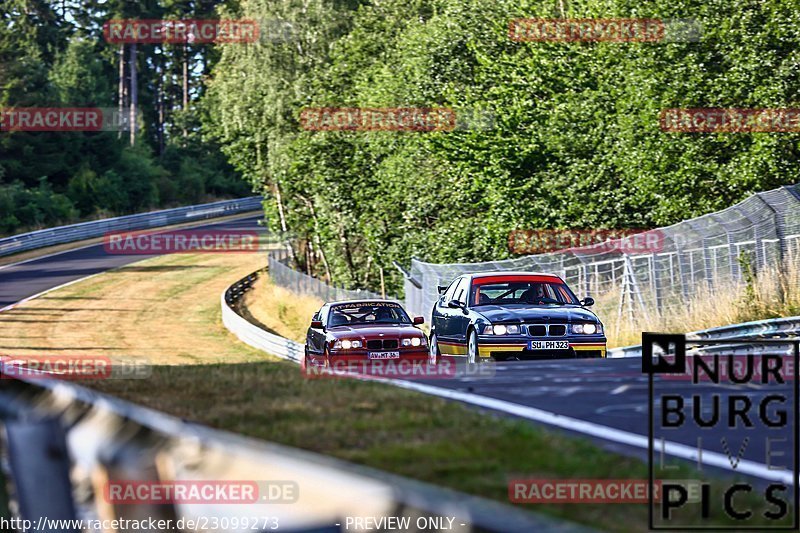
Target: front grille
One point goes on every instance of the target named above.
(537, 331)
(547, 330)
(386, 344)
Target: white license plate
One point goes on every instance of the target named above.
(383, 355)
(549, 345)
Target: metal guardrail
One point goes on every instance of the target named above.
(251, 334)
(97, 228)
(109, 439)
(760, 329)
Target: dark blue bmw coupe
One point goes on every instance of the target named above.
(513, 315)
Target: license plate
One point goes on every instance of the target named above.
(549, 345)
(383, 355)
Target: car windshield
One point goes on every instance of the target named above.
(367, 313)
(525, 291)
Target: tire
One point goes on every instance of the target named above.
(434, 355)
(472, 347)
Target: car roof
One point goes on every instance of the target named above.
(367, 301)
(513, 273)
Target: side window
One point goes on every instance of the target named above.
(322, 314)
(461, 290)
(448, 294)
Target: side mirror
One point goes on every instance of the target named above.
(455, 304)
(419, 320)
(441, 288)
(587, 302)
(316, 324)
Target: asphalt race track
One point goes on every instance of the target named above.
(29, 278)
(610, 395)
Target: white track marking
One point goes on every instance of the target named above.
(597, 430)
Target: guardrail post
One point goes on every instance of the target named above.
(132, 461)
(4, 513)
(40, 464)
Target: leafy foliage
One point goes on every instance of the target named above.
(575, 140)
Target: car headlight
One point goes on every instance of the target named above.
(587, 329)
(413, 341)
(501, 329)
(346, 344)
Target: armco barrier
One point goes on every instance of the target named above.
(759, 329)
(110, 439)
(97, 228)
(253, 335)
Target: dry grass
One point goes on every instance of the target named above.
(280, 310)
(164, 310)
(774, 292)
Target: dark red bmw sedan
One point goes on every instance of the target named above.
(364, 330)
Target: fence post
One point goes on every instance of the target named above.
(779, 233)
(656, 285)
(706, 260)
(681, 271)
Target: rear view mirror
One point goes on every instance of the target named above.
(587, 302)
(455, 304)
(316, 324)
(419, 320)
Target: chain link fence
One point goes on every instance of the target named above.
(285, 276)
(700, 254)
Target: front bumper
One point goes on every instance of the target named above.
(416, 354)
(504, 346)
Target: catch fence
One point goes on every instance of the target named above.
(285, 276)
(700, 254)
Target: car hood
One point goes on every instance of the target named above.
(370, 331)
(518, 313)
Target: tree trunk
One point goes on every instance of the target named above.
(160, 99)
(134, 92)
(185, 83)
(121, 89)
